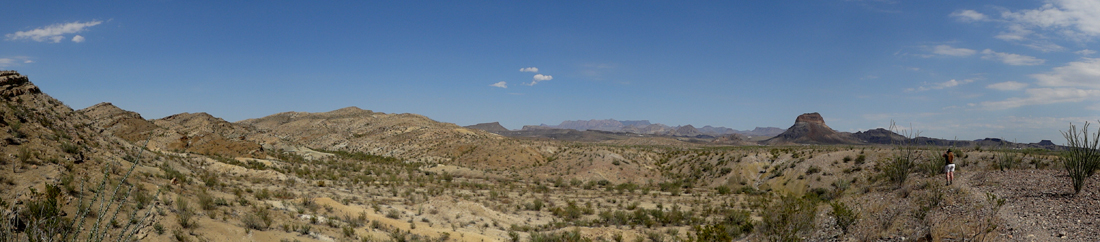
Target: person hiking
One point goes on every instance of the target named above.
(949, 157)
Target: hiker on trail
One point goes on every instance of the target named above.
(950, 167)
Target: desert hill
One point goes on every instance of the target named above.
(810, 128)
(493, 127)
(186, 132)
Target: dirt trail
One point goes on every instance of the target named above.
(1039, 204)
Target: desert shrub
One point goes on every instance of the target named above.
(928, 200)
(259, 219)
(788, 219)
(860, 159)
(173, 174)
(571, 236)
(535, 205)
(932, 166)
(1082, 157)
(70, 148)
(184, 213)
(845, 216)
(723, 190)
(1006, 159)
(896, 170)
(393, 214)
(206, 201)
(348, 231)
(571, 211)
(732, 225)
(210, 179)
(812, 169)
(141, 196)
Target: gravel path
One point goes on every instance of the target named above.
(1040, 205)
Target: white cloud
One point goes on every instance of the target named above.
(78, 38)
(1007, 86)
(969, 16)
(1085, 52)
(500, 85)
(53, 33)
(951, 51)
(13, 61)
(1076, 19)
(1038, 96)
(1011, 59)
(529, 69)
(1015, 32)
(1085, 73)
(539, 78)
(940, 85)
(1077, 81)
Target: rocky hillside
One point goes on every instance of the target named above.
(186, 132)
(404, 136)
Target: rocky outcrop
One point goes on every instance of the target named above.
(12, 84)
(810, 128)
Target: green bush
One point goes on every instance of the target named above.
(788, 219)
(723, 190)
(1006, 159)
(732, 226)
(184, 213)
(896, 170)
(1082, 157)
(843, 215)
(206, 201)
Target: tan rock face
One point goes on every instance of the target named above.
(813, 118)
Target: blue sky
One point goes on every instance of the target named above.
(1019, 70)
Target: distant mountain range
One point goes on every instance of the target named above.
(638, 127)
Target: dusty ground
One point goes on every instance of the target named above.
(1040, 205)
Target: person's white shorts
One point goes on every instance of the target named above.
(949, 168)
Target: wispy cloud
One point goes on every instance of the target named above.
(78, 38)
(940, 85)
(1074, 82)
(500, 85)
(13, 61)
(539, 78)
(1038, 96)
(1085, 52)
(951, 51)
(1083, 73)
(529, 69)
(969, 16)
(1076, 19)
(1007, 86)
(1011, 59)
(53, 33)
